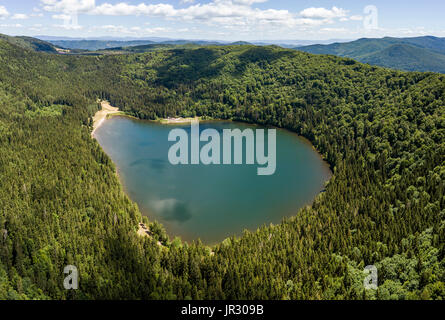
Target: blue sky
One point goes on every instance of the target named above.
(223, 19)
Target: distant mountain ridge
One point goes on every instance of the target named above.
(410, 54)
(138, 45)
(103, 43)
(99, 47)
(407, 57)
(93, 45)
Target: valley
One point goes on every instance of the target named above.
(380, 130)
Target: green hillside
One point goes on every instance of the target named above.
(382, 132)
(411, 54)
(427, 42)
(407, 57)
(354, 49)
(30, 43)
(146, 48)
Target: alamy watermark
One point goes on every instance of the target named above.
(371, 280)
(70, 19)
(371, 18)
(210, 153)
(71, 282)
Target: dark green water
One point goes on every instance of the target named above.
(216, 201)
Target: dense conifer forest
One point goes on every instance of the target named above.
(382, 132)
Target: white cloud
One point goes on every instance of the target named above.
(37, 28)
(61, 16)
(112, 28)
(312, 22)
(336, 30)
(120, 29)
(19, 16)
(68, 6)
(323, 13)
(156, 30)
(220, 12)
(3, 12)
(11, 26)
(124, 9)
(216, 12)
(356, 18)
(227, 14)
(249, 2)
(68, 26)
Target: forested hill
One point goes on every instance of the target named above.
(30, 43)
(382, 131)
(407, 57)
(411, 54)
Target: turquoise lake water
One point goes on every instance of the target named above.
(216, 201)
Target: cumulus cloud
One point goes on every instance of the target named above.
(120, 29)
(3, 12)
(217, 8)
(336, 30)
(19, 16)
(68, 26)
(219, 12)
(323, 13)
(124, 9)
(68, 6)
(61, 16)
(111, 27)
(249, 2)
(11, 26)
(356, 18)
(156, 30)
(225, 13)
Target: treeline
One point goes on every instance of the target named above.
(382, 132)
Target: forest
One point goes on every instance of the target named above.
(381, 131)
(426, 53)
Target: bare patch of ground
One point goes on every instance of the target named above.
(102, 115)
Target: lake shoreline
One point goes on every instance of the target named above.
(165, 121)
(171, 227)
(180, 120)
(100, 116)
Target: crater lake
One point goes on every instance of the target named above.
(210, 202)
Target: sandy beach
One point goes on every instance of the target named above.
(178, 120)
(101, 115)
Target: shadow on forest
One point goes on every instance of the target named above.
(124, 262)
(261, 56)
(187, 66)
